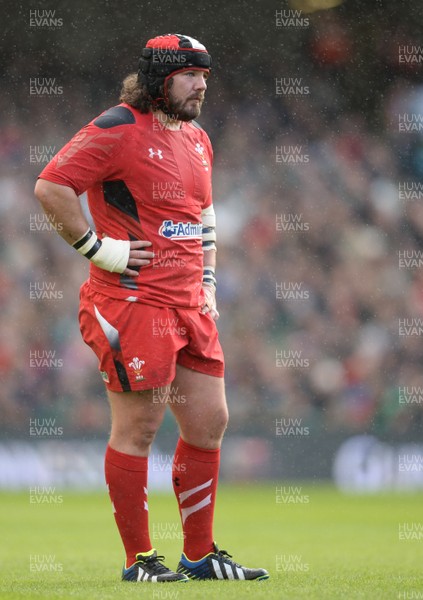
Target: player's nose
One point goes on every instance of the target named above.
(200, 83)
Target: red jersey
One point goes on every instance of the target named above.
(144, 182)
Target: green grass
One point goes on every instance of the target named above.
(346, 546)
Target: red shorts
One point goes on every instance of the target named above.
(138, 345)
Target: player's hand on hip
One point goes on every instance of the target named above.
(116, 256)
(209, 305)
(138, 257)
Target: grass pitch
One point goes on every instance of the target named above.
(315, 542)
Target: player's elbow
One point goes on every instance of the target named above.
(43, 191)
(47, 193)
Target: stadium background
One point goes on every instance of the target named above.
(329, 229)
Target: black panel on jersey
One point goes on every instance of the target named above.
(118, 115)
(117, 194)
(128, 282)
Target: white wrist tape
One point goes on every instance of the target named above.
(113, 255)
(208, 219)
(108, 254)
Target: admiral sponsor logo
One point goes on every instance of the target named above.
(291, 86)
(168, 259)
(291, 290)
(410, 463)
(410, 55)
(44, 495)
(44, 359)
(290, 428)
(44, 18)
(44, 86)
(410, 190)
(291, 359)
(291, 495)
(409, 259)
(291, 563)
(41, 222)
(410, 327)
(410, 395)
(44, 562)
(41, 154)
(290, 155)
(291, 222)
(168, 190)
(164, 464)
(410, 531)
(410, 122)
(44, 290)
(181, 230)
(291, 18)
(44, 428)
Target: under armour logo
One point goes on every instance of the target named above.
(153, 153)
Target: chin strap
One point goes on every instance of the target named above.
(162, 103)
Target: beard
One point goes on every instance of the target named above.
(184, 110)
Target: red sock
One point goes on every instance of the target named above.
(194, 475)
(126, 478)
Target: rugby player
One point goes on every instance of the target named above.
(148, 309)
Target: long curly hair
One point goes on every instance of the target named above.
(135, 94)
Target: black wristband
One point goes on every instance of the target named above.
(93, 250)
(83, 240)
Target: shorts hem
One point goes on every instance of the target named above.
(140, 386)
(218, 371)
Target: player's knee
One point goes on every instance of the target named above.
(217, 426)
(134, 440)
(222, 420)
(146, 436)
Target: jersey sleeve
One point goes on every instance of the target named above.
(87, 158)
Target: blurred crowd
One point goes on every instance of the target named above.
(312, 218)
